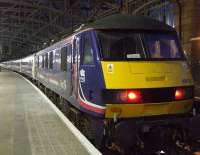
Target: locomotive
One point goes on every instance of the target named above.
(120, 79)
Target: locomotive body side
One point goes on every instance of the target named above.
(53, 67)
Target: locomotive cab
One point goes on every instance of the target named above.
(132, 70)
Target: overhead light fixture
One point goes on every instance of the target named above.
(195, 39)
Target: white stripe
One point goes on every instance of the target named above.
(83, 140)
(87, 102)
(53, 82)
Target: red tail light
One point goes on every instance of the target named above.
(131, 96)
(179, 94)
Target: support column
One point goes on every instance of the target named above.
(191, 33)
(195, 41)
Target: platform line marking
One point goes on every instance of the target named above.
(83, 140)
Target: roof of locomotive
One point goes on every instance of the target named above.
(119, 21)
(122, 21)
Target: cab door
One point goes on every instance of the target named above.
(87, 70)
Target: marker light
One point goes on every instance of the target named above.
(179, 94)
(131, 96)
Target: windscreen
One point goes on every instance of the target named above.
(129, 45)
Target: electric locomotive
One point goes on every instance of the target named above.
(133, 72)
(120, 78)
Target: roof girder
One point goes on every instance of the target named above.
(31, 5)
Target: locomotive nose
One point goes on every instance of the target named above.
(143, 74)
(156, 68)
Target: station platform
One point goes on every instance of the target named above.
(30, 125)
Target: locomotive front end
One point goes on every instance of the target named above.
(145, 74)
(148, 88)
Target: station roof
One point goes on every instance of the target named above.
(27, 26)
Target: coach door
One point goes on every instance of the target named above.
(66, 67)
(69, 69)
(75, 65)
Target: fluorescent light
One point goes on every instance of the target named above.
(195, 39)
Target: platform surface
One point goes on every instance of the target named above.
(28, 125)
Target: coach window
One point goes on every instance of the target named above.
(87, 51)
(51, 60)
(64, 58)
(43, 61)
(38, 62)
(69, 54)
(46, 60)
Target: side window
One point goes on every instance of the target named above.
(30, 62)
(69, 57)
(40, 61)
(64, 58)
(76, 48)
(57, 60)
(51, 60)
(43, 59)
(46, 60)
(87, 51)
(69, 54)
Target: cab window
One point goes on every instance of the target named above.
(87, 51)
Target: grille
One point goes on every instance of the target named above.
(158, 95)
